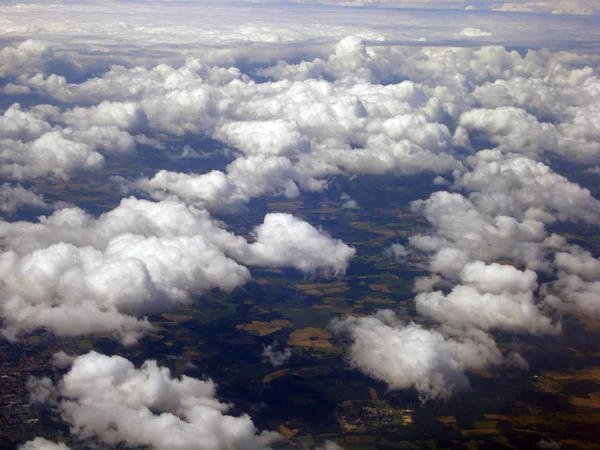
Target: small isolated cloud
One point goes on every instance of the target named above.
(396, 252)
(548, 444)
(275, 356)
(474, 32)
(410, 356)
(107, 398)
(350, 204)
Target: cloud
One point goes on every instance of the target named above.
(75, 274)
(463, 234)
(44, 141)
(474, 32)
(491, 296)
(277, 137)
(276, 357)
(330, 445)
(42, 444)
(396, 252)
(525, 189)
(578, 7)
(350, 204)
(212, 190)
(109, 399)
(12, 197)
(409, 356)
(296, 103)
(497, 278)
(466, 306)
(283, 240)
(578, 282)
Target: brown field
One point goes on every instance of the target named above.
(382, 301)
(373, 394)
(359, 439)
(336, 289)
(310, 338)
(176, 317)
(593, 401)
(592, 374)
(342, 309)
(315, 292)
(256, 325)
(302, 399)
(274, 375)
(446, 419)
(311, 372)
(467, 433)
(590, 324)
(264, 328)
(307, 343)
(310, 332)
(103, 335)
(288, 432)
(379, 288)
(308, 287)
(495, 416)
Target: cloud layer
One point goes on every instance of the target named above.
(296, 98)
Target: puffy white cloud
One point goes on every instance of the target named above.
(50, 154)
(463, 234)
(577, 286)
(330, 445)
(277, 137)
(578, 262)
(12, 197)
(407, 355)
(108, 398)
(511, 129)
(28, 57)
(212, 190)
(283, 240)
(44, 141)
(75, 274)
(41, 390)
(275, 356)
(525, 189)
(259, 175)
(497, 278)
(491, 296)
(396, 252)
(571, 292)
(474, 32)
(126, 116)
(466, 306)
(43, 444)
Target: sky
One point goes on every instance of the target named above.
(493, 98)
